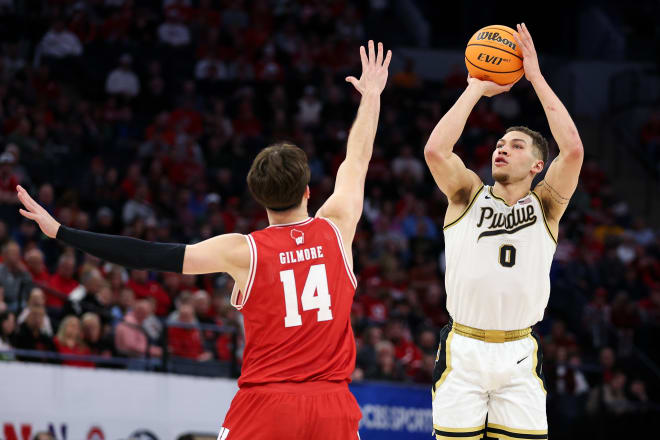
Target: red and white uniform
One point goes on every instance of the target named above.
(299, 349)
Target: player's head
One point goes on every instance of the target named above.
(279, 176)
(520, 154)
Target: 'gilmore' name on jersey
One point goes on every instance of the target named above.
(299, 255)
(501, 223)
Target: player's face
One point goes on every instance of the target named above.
(514, 158)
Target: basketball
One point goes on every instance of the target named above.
(492, 54)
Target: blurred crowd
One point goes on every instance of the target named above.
(141, 119)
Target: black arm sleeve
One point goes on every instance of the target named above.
(126, 251)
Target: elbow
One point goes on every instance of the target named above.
(576, 151)
(433, 154)
(430, 153)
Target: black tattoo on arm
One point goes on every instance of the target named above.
(558, 198)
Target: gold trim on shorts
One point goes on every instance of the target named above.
(447, 364)
(442, 433)
(535, 364)
(496, 336)
(502, 432)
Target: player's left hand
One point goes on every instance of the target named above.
(530, 59)
(374, 70)
(36, 212)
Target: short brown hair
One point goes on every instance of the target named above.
(538, 141)
(279, 176)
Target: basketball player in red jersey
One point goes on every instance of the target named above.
(294, 282)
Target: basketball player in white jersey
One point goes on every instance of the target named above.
(499, 245)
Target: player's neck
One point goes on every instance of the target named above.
(296, 215)
(511, 192)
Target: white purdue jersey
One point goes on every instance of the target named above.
(498, 261)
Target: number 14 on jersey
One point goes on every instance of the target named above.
(315, 295)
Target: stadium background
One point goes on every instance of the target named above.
(142, 117)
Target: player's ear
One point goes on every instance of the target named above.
(308, 193)
(538, 166)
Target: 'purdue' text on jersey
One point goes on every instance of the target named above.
(498, 263)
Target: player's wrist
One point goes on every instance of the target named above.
(372, 91)
(535, 78)
(476, 88)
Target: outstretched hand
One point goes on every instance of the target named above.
(374, 70)
(36, 212)
(530, 59)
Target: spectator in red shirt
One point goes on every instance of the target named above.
(34, 260)
(69, 341)
(130, 183)
(145, 288)
(246, 123)
(186, 342)
(374, 307)
(62, 280)
(405, 350)
(186, 116)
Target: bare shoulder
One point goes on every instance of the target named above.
(346, 226)
(239, 250)
(223, 253)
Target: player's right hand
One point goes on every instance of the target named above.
(374, 70)
(36, 212)
(489, 88)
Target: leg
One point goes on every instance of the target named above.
(334, 416)
(263, 415)
(459, 402)
(518, 410)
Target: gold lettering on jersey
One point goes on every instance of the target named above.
(300, 255)
(500, 223)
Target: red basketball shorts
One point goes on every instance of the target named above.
(286, 411)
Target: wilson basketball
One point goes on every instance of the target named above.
(492, 54)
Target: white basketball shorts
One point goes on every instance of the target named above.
(492, 387)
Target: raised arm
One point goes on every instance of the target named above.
(561, 179)
(344, 206)
(456, 181)
(224, 253)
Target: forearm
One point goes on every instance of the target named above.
(126, 251)
(447, 132)
(561, 124)
(360, 144)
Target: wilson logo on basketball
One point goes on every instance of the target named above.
(492, 59)
(495, 36)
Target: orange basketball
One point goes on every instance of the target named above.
(492, 54)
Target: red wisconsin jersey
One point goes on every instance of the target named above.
(297, 305)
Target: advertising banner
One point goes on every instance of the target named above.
(86, 404)
(390, 411)
(96, 404)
